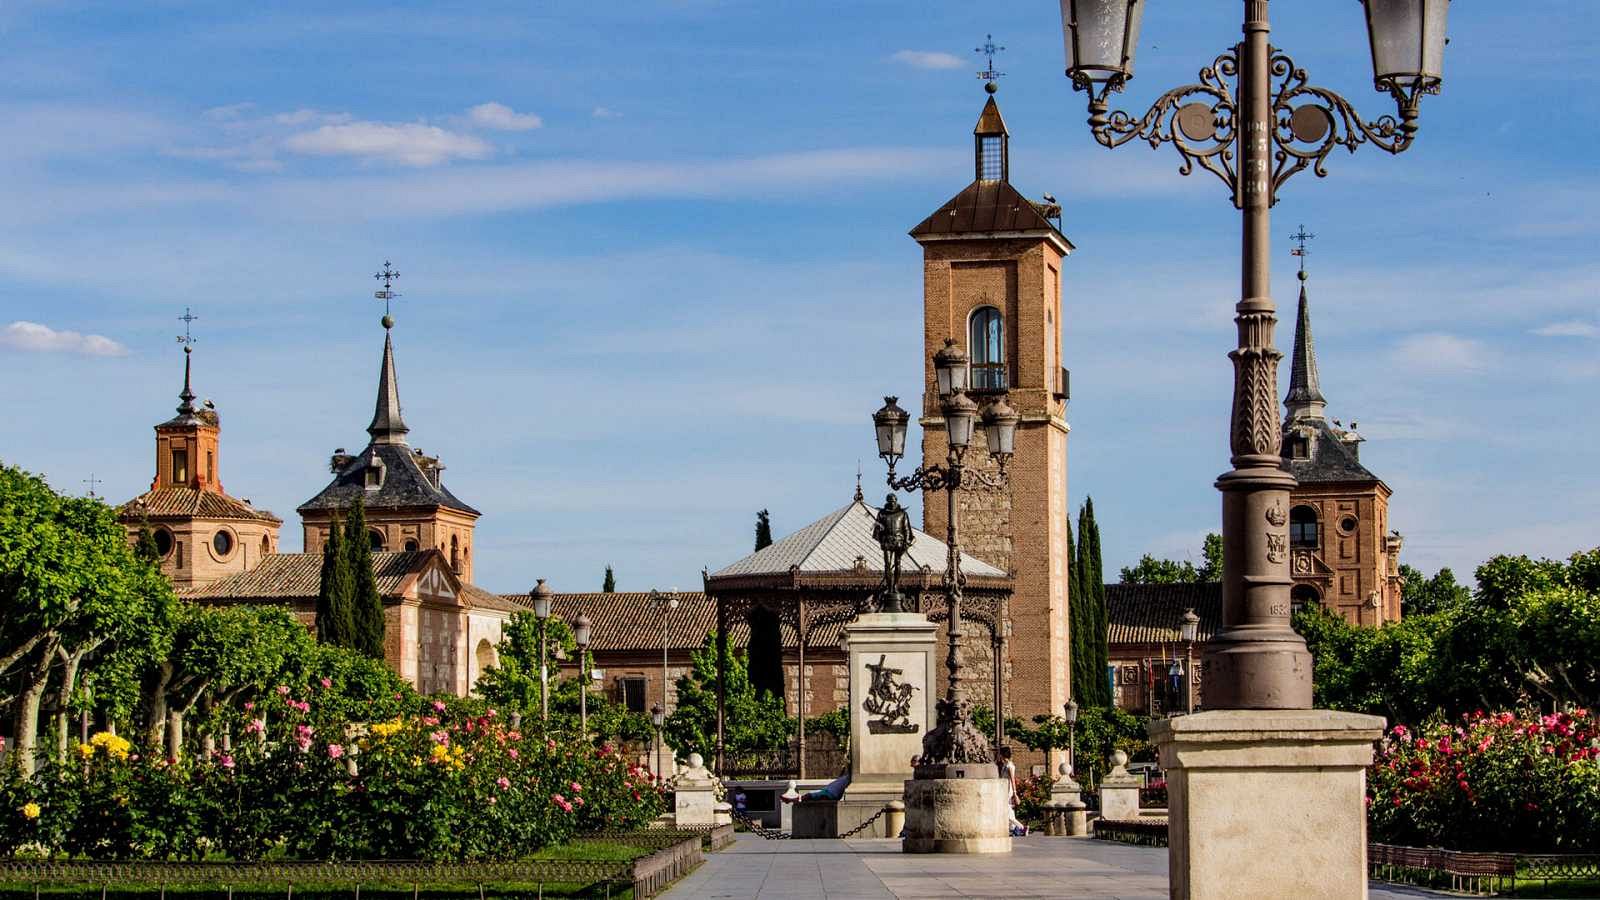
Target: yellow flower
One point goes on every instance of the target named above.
(85, 751)
(439, 753)
(30, 810)
(387, 729)
(115, 745)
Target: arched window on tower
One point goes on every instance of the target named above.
(375, 540)
(986, 342)
(1303, 527)
(1303, 595)
(455, 555)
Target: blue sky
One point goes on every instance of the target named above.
(656, 274)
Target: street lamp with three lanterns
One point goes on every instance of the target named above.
(541, 595)
(953, 739)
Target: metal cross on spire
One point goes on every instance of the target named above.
(91, 481)
(387, 276)
(187, 339)
(989, 50)
(1300, 237)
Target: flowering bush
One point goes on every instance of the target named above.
(1493, 782)
(451, 781)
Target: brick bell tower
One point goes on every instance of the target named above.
(992, 282)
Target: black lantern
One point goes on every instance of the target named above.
(890, 422)
(1000, 428)
(951, 369)
(541, 600)
(959, 415)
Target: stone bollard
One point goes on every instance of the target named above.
(1069, 815)
(1055, 818)
(1077, 818)
(722, 813)
(1119, 791)
(894, 821)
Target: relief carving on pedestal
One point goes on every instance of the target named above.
(889, 699)
(1277, 547)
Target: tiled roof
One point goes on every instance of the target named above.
(404, 484)
(630, 621)
(298, 576)
(479, 598)
(985, 207)
(1331, 460)
(834, 542)
(1153, 613)
(184, 502)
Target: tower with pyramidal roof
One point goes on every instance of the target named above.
(407, 505)
(1342, 553)
(991, 262)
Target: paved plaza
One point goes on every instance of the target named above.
(874, 869)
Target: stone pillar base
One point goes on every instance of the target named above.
(957, 815)
(1267, 803)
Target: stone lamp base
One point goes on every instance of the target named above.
(961, 814)
(1267, 803)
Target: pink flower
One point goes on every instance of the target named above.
(491, 799)
(283, 690)
(440, 737)
(430, 721)
(503, 782)
(256, 726)
(226, 761)
(302, 737)
(250, 705)
(335, 751)
(514, 735)
(438, 706)
(576, 787)
(327, 683)
(512, 752)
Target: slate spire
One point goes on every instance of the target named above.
(1304, 400)
(186, 398)
(387, 426)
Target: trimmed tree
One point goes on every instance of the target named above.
(366, 604)
(766, 636)
(335, 624)
(609, 586)
(1091, 582)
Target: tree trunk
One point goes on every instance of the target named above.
(69, 680)
(155, 707)
(175, 735)
(29, 698)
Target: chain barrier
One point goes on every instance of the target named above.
(760, 830)
(865, 825)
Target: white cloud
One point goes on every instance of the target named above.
(928, 59)
(1441, 354)
(228, 113)
(308, 116)
(38, 338)
(501, 117)
(1572, 328)
(605, 112)
(407, 143)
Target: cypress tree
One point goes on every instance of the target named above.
(366, 605)
(334, 624)
(609, 586)
(766, 635)
(146, 549)
(1077, 626)
(1089, 536)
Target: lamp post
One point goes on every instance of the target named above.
(1189, 630)
(581, 629)
(1253, 120)
(953, 739)
(664, 603)
(541, 612)
(658, 718)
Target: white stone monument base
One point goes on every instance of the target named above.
(957, 815)
(1267, 803)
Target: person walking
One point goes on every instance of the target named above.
(1008, 771)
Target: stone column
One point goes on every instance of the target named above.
(892, 655)
(1267, 803)
(1119, 791)
(696, 795)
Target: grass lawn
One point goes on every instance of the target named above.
(616, 851)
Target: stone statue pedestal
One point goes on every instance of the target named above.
(1069, 814)
(1267, 803)
(892, 661)
(1119, 791)
(965, 812)
(697, 796)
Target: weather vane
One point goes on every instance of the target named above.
(387, 276)
(91, 481)
(187, 339)
(1300, 237)
(989, 50)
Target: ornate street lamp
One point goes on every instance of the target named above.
(953, 739)
(1189, 630)
(664, 603)
(581, 630)
(658, 718)
(1254, 120)
(541, 611)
